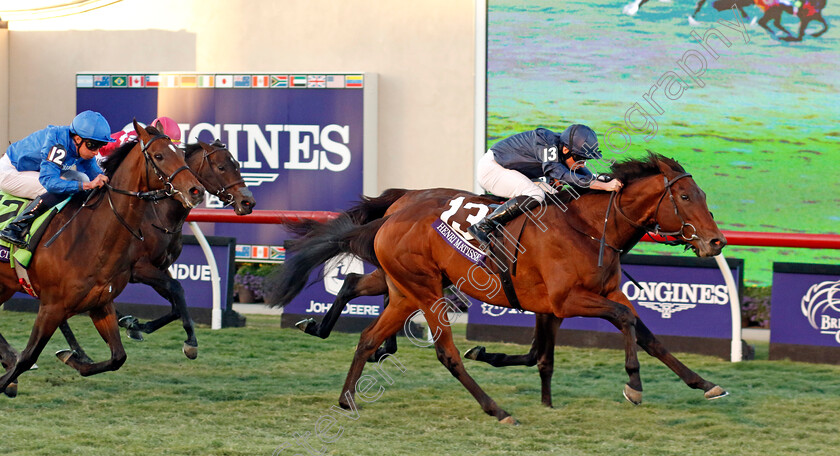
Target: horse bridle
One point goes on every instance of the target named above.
(228, 197)
(151, 195)
(168, 191)
(657, 229)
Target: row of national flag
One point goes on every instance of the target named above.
(274, 81)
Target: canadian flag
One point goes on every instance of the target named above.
(135, 81)
(259, 81)
(260, 251)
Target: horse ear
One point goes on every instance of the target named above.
(203, 145)
(141, 132)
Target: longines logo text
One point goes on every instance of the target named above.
(667, 298)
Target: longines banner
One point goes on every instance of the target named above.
(684, 299)
(805, 312)
(304, 141)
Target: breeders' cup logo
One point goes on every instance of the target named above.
(668, 298)
(337, 269)
(821, 305)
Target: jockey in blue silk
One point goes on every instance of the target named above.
(507, 168)
(39, 167)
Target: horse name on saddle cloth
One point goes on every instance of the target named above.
(10, 207)
(458, 242)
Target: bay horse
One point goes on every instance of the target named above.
(218, 171)
(84, 259)
(557, 271)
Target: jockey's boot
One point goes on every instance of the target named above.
(503, 214)
(15, 233)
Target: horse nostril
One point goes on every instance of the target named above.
(717, 243)
(194, 192)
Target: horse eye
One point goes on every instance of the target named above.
(221, 167)
(684, 197)
(158, 156)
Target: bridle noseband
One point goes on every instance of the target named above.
(657, 229)
(154, 196)
(222, 191)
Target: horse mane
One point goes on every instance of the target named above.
(637, 168)
(113, 161)
(626, 171)
(191, 148)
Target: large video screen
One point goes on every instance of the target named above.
(752, 117)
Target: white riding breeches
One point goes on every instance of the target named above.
(26, 184)
(504, 182)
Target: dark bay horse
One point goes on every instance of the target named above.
(811, 10)
(218, 171)
(89, 263)
(632, 8)
(557, 271)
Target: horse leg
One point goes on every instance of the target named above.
(388, 323)
(448, 355)
(587, 304)
(819, 18)
(105, 321)
(697, 7)
(654, 347)
(8, 355)
(390, 346)
(479, 353)
(545, 334)
(71, 340)
(777, 21)
(171, 290)
(768, 15)
(46, 322)
(324, 328)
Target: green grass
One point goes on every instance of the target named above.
(252, 389)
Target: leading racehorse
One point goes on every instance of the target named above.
(557, 270)
(85, 266)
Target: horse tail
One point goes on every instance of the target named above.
(372, 208)
(339, 236)
(368, 209)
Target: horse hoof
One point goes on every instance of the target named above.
(716, 393)
(509, 420)
(128, 322)
(190, 351)
(474, 353)
(134, 334)
(635, 397)
(64, 355)
(11, 390)
(304, 324)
